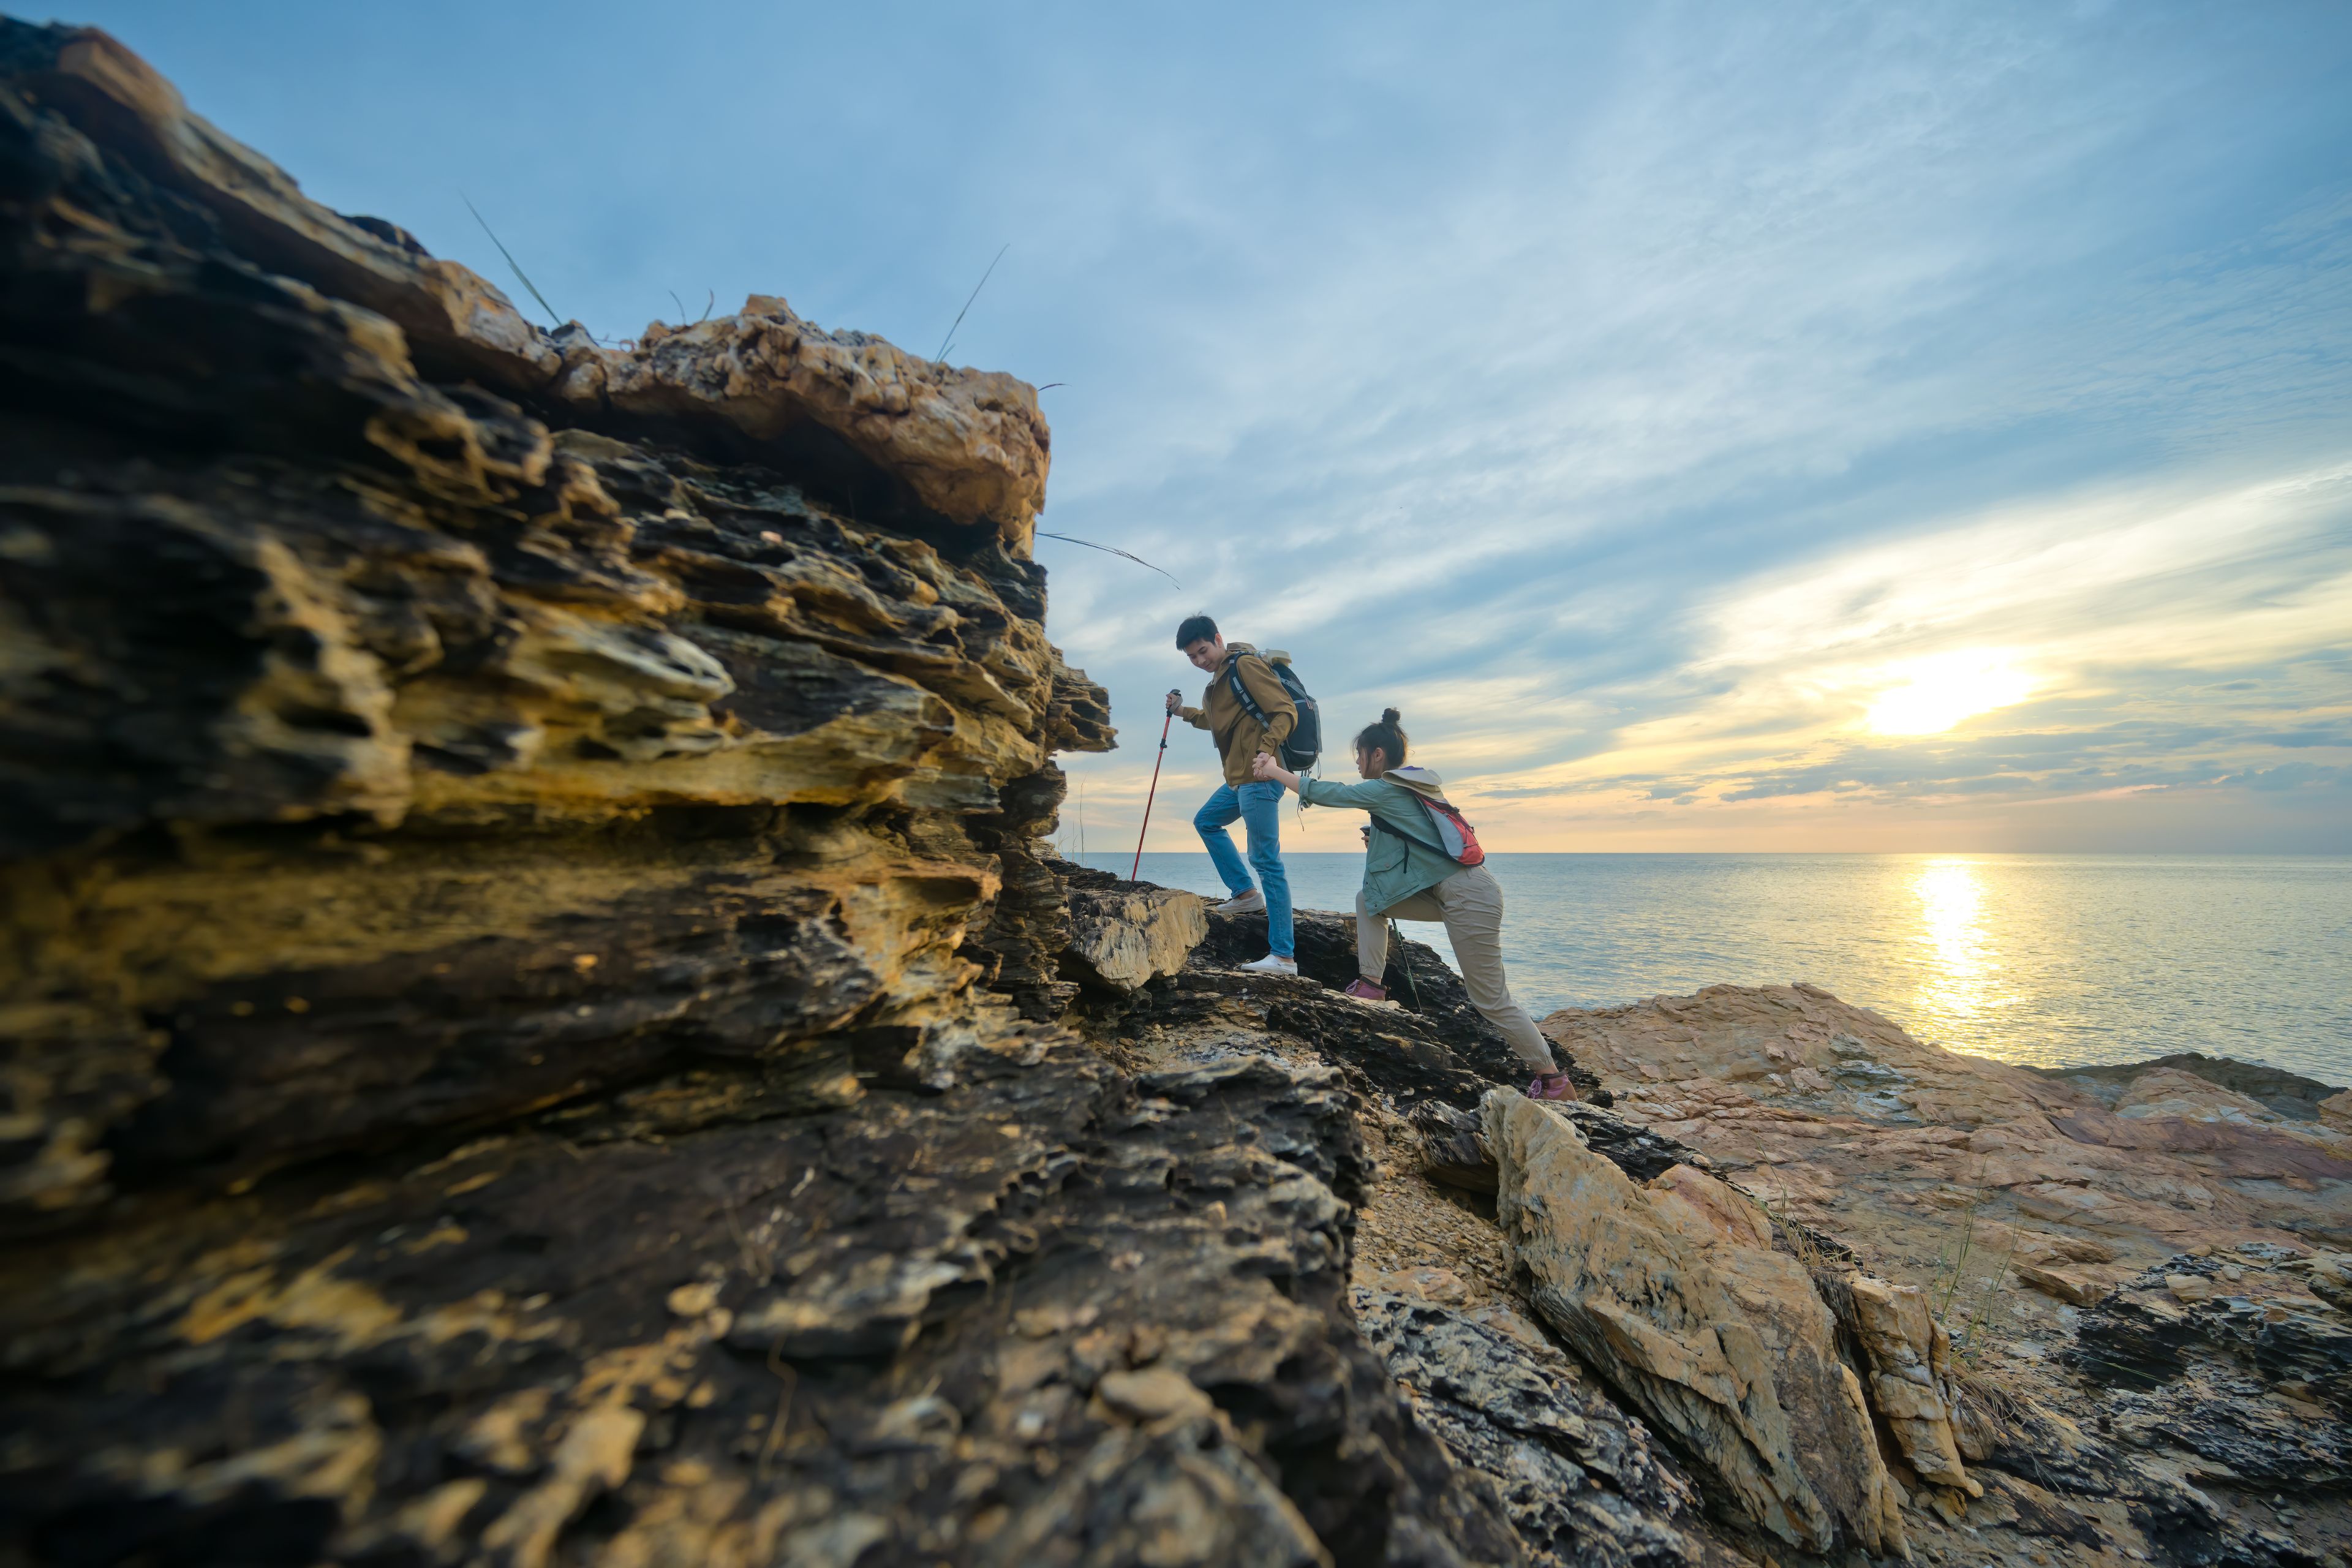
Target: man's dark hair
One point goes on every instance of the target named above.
(1196, 628)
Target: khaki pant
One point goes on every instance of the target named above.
(1470, 903)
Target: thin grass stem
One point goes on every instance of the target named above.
(519, 276)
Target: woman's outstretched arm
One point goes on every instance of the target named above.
(1369, 795)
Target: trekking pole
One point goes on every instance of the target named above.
(1396, 945)
(1137, 867)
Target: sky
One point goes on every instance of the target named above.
(1715, 426)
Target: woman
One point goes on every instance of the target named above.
(1408, 877)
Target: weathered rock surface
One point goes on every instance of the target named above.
(1965, 1180)
(1910, 1359)
(1725, 1345)
(1432, 1044)
(1835, 1114)
(2249, 1371)
(2290, 1095)
(1582, 1483)
(1123, 934)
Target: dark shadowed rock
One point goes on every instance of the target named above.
(1583, 1485)
(2257, 1385)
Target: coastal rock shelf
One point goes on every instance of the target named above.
(540, 1026)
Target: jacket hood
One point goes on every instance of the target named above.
(1232, 647)
(1419, 780)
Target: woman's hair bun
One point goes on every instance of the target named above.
(1387, 737)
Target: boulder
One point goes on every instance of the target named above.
(2065, 1284)
(1123, 934)
(1452, 1151)
(1910, 1377)
(1727, 1345)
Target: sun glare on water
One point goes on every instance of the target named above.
(1960, 976)
(1942, 691)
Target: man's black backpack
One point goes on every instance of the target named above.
(1305, 741)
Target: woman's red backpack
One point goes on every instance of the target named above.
(1456, 839)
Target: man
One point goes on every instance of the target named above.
(1241, 734)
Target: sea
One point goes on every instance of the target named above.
(2043, 960)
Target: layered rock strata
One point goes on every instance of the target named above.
(1584, 1484)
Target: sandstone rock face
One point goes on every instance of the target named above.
(1696, 1203)
(1934, 1132)
(1725, 1345)
(970, 445)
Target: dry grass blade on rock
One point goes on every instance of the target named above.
(948, 342)
(1108, 550)
(521, 277)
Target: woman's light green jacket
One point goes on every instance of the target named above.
(1394, 868)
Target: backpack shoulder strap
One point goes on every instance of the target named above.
(1241, 688)
(1385, 826)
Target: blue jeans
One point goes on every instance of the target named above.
(1259, 805)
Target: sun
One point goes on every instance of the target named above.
(1940, 693)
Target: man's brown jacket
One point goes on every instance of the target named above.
(1239, 737)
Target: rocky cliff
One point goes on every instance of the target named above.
(537, 1026)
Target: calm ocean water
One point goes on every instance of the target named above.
(2043, 958)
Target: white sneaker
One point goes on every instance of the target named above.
(1247, 903)
(1271, 965)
